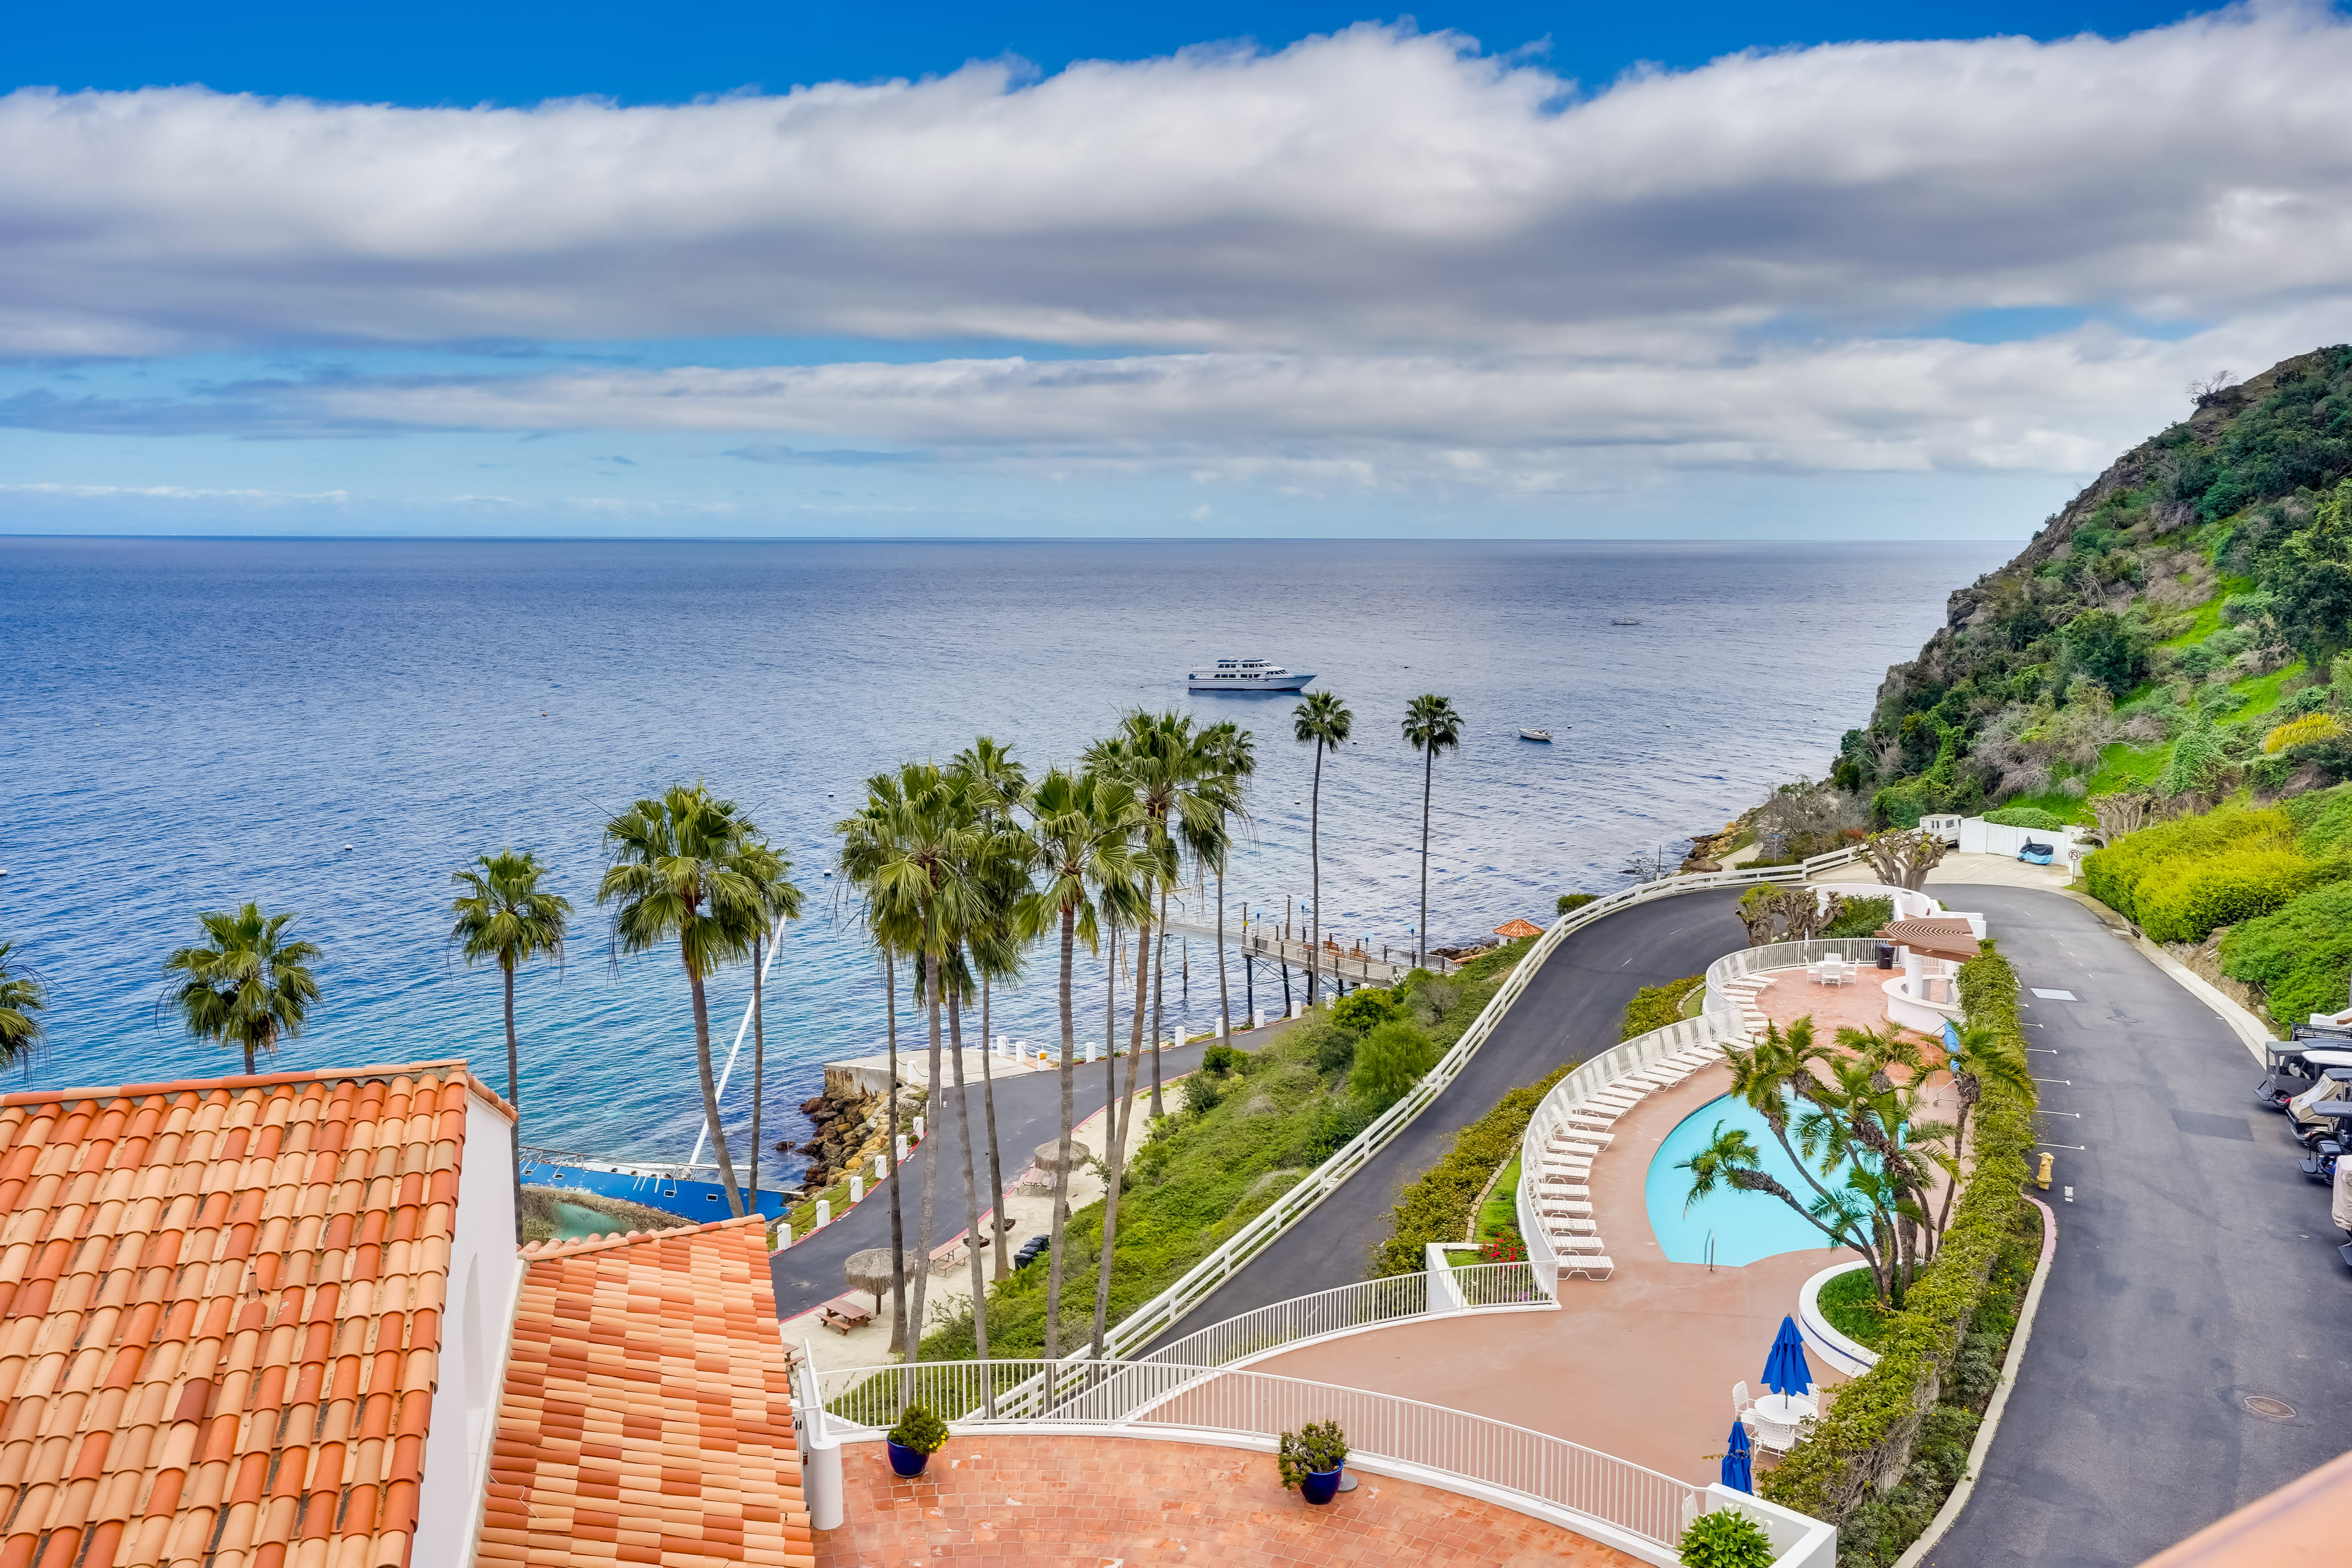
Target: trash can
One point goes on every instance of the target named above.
(1885, 955)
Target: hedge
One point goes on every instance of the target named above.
(2299, 956)
(2182, 899)
(1437, 1207)
(2117, 875)
(1655, 1006)
(1862, 1443)
(2027, 817)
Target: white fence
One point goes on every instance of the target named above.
(1594, 1494)
(1861, 950)
(1368, 1304)
(1169, 1308)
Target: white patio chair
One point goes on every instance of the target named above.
(1740, 1404)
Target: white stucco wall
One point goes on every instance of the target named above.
(477, 1318)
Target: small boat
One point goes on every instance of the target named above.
(1543, 735)
(1245, 675)
(1625, 621)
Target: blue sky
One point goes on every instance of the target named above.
(1503, 270)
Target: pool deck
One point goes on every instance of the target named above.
(1639, 1365)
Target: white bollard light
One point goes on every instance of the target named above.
(1257, 1019)
(857, 1189)
(919, 1128)
(1298, 1009)
(1221, 1031)
(881, 1166)
(824, 1213)
(784, 1234)
(902, 1148)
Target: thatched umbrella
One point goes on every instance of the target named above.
(870, 1271)
(1049, 1160)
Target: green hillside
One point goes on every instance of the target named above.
(2180, 627)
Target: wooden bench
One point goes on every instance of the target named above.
(844, 1313)
(948, 1253)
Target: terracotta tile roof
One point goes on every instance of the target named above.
(220, 1315)
(648, 1413)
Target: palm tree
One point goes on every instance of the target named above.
(22, 995)
(251, 987)
(1981, 1055)
(862, 840)
(780, 900)
(675, 874)
(921, 877)
(505, 915)
(1321, 721)
(1176, 781)
(1230, 750)
(999, 785)
(1082, 827)
(1431, 726)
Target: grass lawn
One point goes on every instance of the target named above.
(1500, 1212)
(1853, 1308)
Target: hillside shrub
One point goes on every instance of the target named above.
(1359, 1012)
(1863, 1461)
(1860, 917)
(2323, 821)
(1655, 1006)
(1391, 1060)
(2301, 955)
(2183, 899)
(2112, 874)
(2029, 816)
(1435, 1207)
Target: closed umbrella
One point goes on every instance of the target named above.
(1786, 1371)
(1739, 1466)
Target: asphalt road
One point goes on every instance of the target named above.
(2196, 1267)
(1028, 1112)
(1572, 1009)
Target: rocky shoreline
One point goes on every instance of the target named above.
(851, 1128)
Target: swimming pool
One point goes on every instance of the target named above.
(1746, 1225)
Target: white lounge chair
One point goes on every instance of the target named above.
(1567, 1208)
(1559, 1227)
(1564, 1191)
(1566, 1243)
(1589, 1267)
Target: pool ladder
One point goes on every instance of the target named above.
(1710, 1252)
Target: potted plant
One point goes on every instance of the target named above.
(1311, 1458)
(1725, 1537)
(918, 1434)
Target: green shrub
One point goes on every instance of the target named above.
(2301, 955)
(1329, 1046)
(1391, 1060)
(2113, 874)
(2183, 900)
(1202, 1094)
(1224, 1060)
(919, 1428)
(1725, 1537)
(1316, 1448)
(1860, 917)
(2323, 821)
(2031, 816)
(1359, 1012)
(1655, 1006)
(1436, 1205)
(1574, 901)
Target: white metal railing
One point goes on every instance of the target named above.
(1369, 1304)
(1595, 1493)
(1857, 949)
(1169, 1308)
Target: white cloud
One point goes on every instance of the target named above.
(1376, 189)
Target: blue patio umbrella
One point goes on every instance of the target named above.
(1786, 1370)
(1738, 1468)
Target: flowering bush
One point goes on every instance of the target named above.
(1505, 1247)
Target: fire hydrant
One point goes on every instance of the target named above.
(2042, 1179)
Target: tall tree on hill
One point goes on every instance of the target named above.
(1322, 721)
(1231, 752)
(22, 995)
(1431, 726)
(675, 873)
(251, 986)
(505, 915)
(999, 786)
(1083, 827)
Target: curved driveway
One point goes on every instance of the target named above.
(1570, 1010)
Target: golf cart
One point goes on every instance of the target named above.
(2335, 1122)
(2037, 853)
(2312, 1123)
(2294, 1065)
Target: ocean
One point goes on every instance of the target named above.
(333, 727)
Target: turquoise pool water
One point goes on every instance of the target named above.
(1746, 1225)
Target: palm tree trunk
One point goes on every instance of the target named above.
(995, 1164)
(1143, 971)
(514, 1056)
(1428, 773)
(711, 1087)
(930, 1162)
(1225, 993)
(758, 1064)
(1069, 1074)
(1115, 1159)
(1315, 879)
(970, 1198)
(1159, 987)
(898, 1213)
(249, 1059)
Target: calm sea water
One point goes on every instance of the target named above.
(333, 727)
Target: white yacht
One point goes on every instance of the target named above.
(1247, 674)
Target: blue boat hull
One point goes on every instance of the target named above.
(694, 1201)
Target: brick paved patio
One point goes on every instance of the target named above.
(1087, 1502)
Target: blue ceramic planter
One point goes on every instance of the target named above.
(905, 1460)
(1320, 1486)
